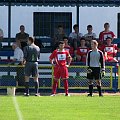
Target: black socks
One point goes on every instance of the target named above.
(99, 90)
(90, 89)
(27, 87)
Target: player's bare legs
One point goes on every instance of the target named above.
(36, 86)
(66, 86)
(26, 86)
(54, 87)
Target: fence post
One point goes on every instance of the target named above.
(115, 80)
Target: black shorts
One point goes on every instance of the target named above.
(95, 74)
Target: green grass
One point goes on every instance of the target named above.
(61, 108)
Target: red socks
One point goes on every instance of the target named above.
(55, 84)
(66, 86)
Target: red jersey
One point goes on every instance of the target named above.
(110, 50)
(82, 51)
(60, 57)
(101, 47)
(103, 35)
(69, 49)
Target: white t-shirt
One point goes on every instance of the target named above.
(18, 54)
(73, 35)
(90, 35)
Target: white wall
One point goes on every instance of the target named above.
(24, 15)
(96, 16)
(4, 19)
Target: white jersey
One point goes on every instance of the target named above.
(18, 54)
(74, 35)
(90, 36)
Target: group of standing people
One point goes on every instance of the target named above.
(82, 48)
(28, 54)
(85, 49)
(61, 59)
(31, 55)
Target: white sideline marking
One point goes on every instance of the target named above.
(19, 114)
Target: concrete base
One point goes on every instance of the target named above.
(11, 91)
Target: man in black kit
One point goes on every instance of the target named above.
(96, 67)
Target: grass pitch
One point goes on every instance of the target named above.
(60, 108)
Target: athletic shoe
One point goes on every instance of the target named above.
(53, 95)
(90, 95)
(68, 95)
(25, 94)
(37, 94)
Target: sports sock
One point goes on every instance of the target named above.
(90, 89)
(99, 89)
(36, 87)
(66, 86)
(27, 87)
(55, 84)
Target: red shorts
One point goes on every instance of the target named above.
(60, 72)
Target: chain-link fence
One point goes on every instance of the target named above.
(13, 75)
(78, 78)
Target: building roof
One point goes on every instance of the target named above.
(88, 3)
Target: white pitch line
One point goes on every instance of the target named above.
(19, 114)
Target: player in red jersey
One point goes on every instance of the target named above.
(106, 33)
(101, 46)
(60, 59)
(110, 51)
(81, 52)
(68, 47)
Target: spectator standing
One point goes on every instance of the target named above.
(90, 35)
(106, 33)
(18, 54)
(18, 59)
(74, 37)
(21, 37)
(31, 56)
(60, 33)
